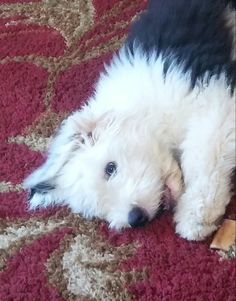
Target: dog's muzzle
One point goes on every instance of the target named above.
(137, 217)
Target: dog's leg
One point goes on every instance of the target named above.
(207, 163)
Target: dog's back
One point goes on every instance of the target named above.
(192, 33)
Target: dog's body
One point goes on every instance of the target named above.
(171, 86)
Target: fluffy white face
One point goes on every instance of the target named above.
(112, 177)
(106, 174)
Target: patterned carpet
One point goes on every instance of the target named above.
(51, 52)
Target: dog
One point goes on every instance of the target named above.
(169, 90)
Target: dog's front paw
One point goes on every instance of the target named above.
(193, 230)
(196, 215)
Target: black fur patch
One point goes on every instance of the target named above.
(41, 188)
(192, 32)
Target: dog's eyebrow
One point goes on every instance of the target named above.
(41, 188)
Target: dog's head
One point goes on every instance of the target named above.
(108, 167)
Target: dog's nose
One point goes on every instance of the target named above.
(137, 217)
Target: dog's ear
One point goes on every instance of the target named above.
(79, 131)
(74, 133)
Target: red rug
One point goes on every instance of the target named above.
(51, 53)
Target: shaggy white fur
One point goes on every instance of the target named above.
(136, 118)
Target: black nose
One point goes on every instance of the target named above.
(137, 217)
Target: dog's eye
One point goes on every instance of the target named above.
(110, 169)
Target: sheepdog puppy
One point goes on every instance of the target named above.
(162, 114)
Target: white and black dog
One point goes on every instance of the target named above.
(170, 87)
